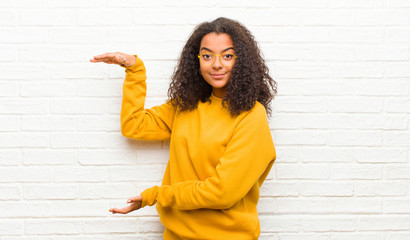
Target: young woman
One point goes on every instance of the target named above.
(221, 148)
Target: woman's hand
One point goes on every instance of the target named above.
(135, 205)
(115, 58)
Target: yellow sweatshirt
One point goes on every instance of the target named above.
(216, 166)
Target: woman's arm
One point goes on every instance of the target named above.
(246, 161)
(136, 121)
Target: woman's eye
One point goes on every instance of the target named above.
(228, 56)
(207, 56)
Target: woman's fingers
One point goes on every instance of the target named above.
(115, 58)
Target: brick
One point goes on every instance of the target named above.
(74, 4)
(136, 3)
(369, 17)
(301, 206)
(89, 140)
(396, 139)
(325, 121)
(398, 105)
(16, 140)
(9, 124)
(301, 104)
(397, 35)
(399, 206)
(49, 123)
(300, 4)
(107, 190)
(266, 205)
(77, 106)
(100, 123)
(9, 53)
(268, 236)
(358, 236)
(295, 137)
(9, 157)
(50, 53)
(8, 192)
(328, 224)
(77, 71)
(279, 189)
(383, 223)
(397, 172)
(278, 52)
(356, 105)
(7, 18)
(143, 172)
(264, 34)
(276, 18)
(42, 191)
(8, 89)
(76, 35)
(304, 236)
(399, 235)
(396, 17)
(293, 171)
(356, 4)
(106, 157)
(398, 70)
(100, 89)
(326, 87)
(355, 138)
(334, 155)
(398, 4)
(29, 72)
(53, 226)
(286, 154)
(357, 70)
(149, 156)
(99, 17)
(150, 225)
(47, 17)
(384, 87)
(11, 227)
(110, 226)
(380, 155)
(49, 157)
(286, 121)
(23, 106)
(380, 188)
(355, 206)
(153, 34)
(75, 208)
(356, 35)
(24, 35)
(330, 189)
(80, 174)
(360, 171)
(23, 4)
(25, 174)
(328, 53)
(299, 71)
(383, 53)
(302, 35)
(279, 223)
(327, 18)
(381, 122)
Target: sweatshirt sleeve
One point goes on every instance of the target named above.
(139, 123)
(247, 160)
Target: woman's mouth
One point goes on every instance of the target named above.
(218, 76)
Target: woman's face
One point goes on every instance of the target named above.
(216, 61)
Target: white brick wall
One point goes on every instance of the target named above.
(341, 121)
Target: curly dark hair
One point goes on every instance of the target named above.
(249, 81)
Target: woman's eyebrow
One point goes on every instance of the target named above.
(204, 48)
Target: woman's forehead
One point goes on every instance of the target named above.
(216, 42)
